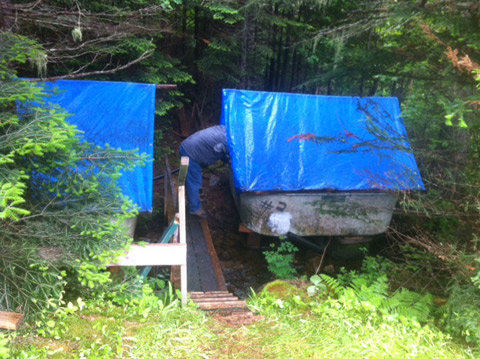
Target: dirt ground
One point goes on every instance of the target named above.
(243, 267)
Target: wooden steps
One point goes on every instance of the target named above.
(225, 307)
(217, 300)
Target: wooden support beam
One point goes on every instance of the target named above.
(166, 87)
(213, 255)
(243, 229)
(165, 199)
(183, 236)
(154, 254)
(10, 320)
(253, 239)
(167, 235)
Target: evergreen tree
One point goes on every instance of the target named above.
(60, 208)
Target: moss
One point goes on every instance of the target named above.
(285, 290)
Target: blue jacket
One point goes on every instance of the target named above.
(207, 146)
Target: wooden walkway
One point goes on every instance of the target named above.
(205, 280)
(204, 271)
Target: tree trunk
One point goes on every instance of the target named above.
(6, 14)
(293, 69)
(244, 55)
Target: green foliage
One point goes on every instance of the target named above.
(461, 312)
(294, 325)
(224, 12)
(60, 207)
(4, 346)
(354, 317)
(317, 285)
(368, 291)
(280, 259)
(476, 277)
(372, 268)
(140, 326)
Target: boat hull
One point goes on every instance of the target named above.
(316, 213)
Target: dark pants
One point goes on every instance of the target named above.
(193, 184)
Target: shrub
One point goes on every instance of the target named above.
(60, 208)
(280, 259)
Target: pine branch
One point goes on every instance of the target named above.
(79, 74)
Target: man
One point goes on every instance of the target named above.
(204, 148)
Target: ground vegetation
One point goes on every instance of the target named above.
(425, 52)
(353, 316)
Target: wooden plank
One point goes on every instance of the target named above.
(182, 175)
(193, 279)
(223, 305)
(213, 292)
(166, 236)
(213, 255)
(202, 277)
(183, 241)
(243, 229)
(165, 199)
(10, 320)
(167, 87)
(210, 294)
(219, 292)
(214, 299)
(182, 214)
(154, 254)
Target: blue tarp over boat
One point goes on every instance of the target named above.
(294, 142)
(116, 113)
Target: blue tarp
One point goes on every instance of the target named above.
(116, 113)
(294, 142)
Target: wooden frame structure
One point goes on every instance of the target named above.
(165, 254)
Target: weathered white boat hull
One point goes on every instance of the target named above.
(317, 213)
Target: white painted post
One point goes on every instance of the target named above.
(184, 162)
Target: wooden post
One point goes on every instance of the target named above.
(170, 254)
(165, 197)
(168, 174)
(10, 320)
(166, 87)
(184, 162)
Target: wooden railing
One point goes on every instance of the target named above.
(165, 254)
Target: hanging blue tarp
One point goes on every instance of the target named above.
(294, 142)
(116, 113)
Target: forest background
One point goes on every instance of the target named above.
(425, 52)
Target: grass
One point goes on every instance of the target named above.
(106, 332)
(331, 320)
(284, 333)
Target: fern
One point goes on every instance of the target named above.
(333, 284)
(409, 304)
(364, 292)
(375, 293)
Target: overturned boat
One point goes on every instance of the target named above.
(317, 165)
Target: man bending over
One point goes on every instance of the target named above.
(204, 148)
